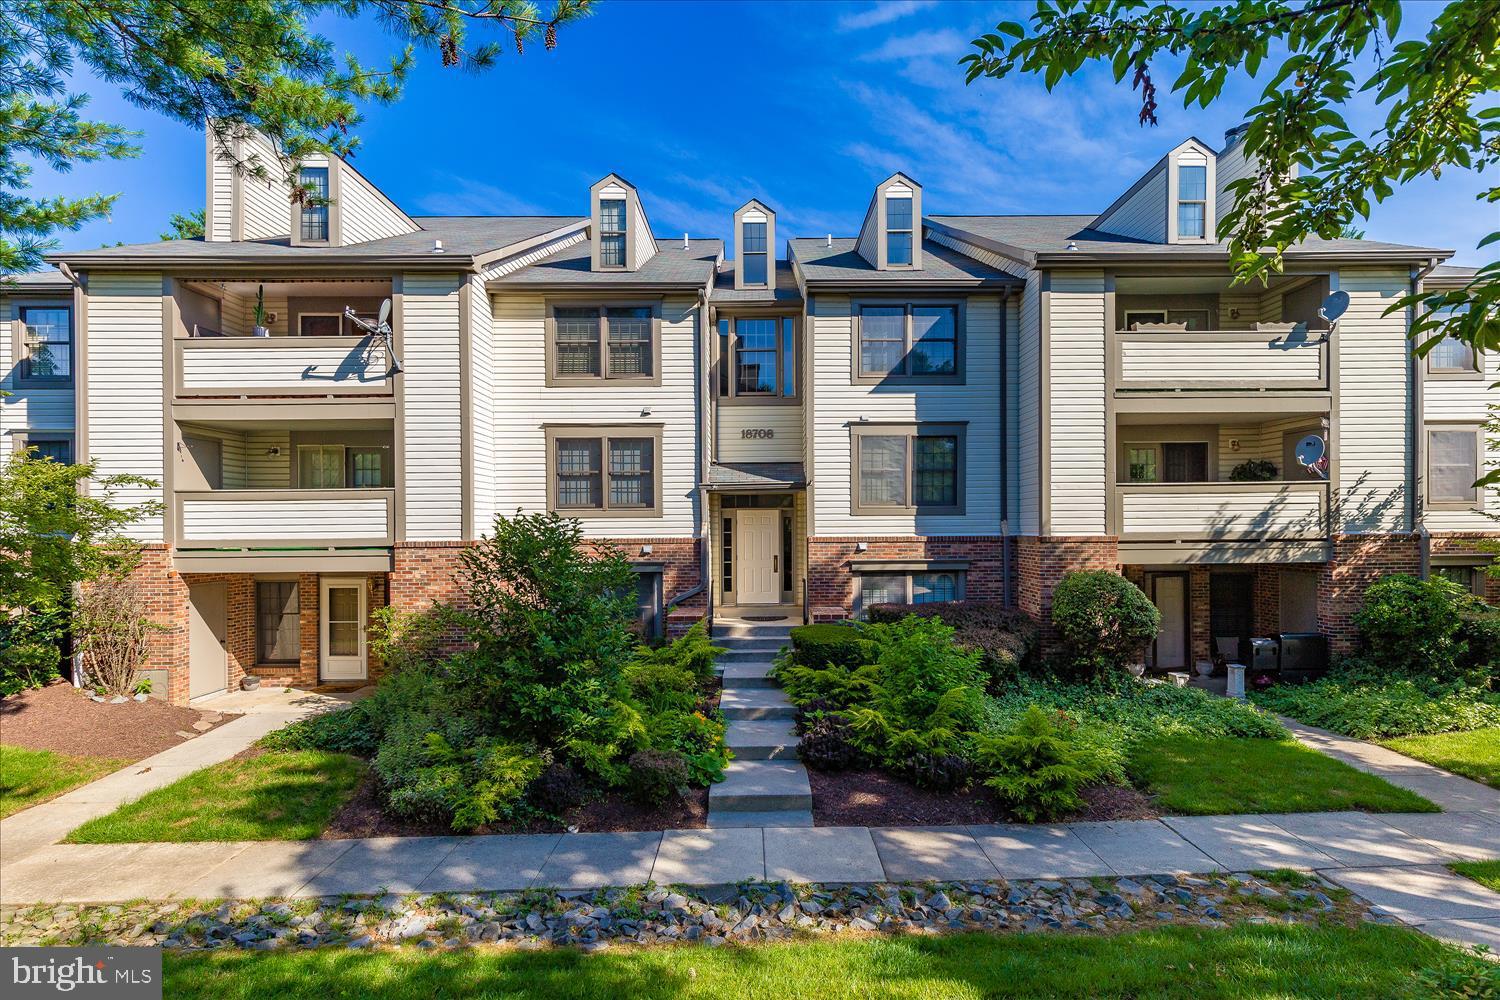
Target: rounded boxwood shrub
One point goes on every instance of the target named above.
(1106, 620)
(657, 775)
(1411, 626)
(831, 644)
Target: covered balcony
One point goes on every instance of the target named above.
(299, 347)
(1199, 333)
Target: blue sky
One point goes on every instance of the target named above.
(704, 105)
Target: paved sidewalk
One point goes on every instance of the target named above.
(1448, 791)
(32, 829)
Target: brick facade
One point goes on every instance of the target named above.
(1358, 561)
(1041, 561)
(830, 579)
(1465, 544)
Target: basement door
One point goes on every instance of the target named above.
(208, 638)
(757, 556)
(1169, 594)
(341, 614)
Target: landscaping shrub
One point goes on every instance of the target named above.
(557, 789)
(1106, 620)
(1033, 768)
(830, 644)
(657, 775)
(1005, 638)
(1363, 700)
(828, 744)
(27, 665)
(1411, 626)
(941, 772)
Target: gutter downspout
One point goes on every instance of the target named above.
(1418, 434)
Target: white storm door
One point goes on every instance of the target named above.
(757, 557)
(1170, 596)
(341, 614)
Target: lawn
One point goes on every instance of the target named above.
(31, 776)
(1246, 961)
(1197, 776)
(1486, 873)
(273, 796)
(1473, 754)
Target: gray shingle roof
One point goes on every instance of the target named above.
(1030, 237)
(464, 237)
(670, 265)
(842, 264)
(786, 290)
(35, 281)
(755, 475)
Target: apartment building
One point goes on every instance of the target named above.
(936, 407)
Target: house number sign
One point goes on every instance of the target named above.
(761, 433)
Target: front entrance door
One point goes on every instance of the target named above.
(208, 636)
(342, 615)
(757, 557)
(1169, 594)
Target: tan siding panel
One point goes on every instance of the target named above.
(1076, 403)
(433, 480)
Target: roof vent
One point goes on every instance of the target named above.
(437, 246)
(1072, 246)
(685, 242)
(828, 241)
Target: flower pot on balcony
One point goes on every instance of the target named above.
(261, 331)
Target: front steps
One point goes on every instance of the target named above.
(765, 784)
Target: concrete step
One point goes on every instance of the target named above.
(752, 630)
(760, 785)
(756, 703)
(762, 739)
(746, 656)
(771, 818)
(746, 674)
(769, 647)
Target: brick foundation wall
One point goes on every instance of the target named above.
(1041, 561)
(1358, 561)
(1454, 544)
(830, 579)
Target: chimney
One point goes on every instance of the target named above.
(1234, 135)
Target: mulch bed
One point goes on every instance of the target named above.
(62, 718)
(364, 816)
(874, 798)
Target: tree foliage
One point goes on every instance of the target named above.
(185, 227)
(250, 63)
(1315, 174)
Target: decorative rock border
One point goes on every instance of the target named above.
(743, 913)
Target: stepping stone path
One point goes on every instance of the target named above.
(765, 784)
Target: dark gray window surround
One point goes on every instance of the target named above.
(604, 471)
(612, 352)
(1455, 457)
(313, 219)
(44, 345)
(277, 621)
(921, 468)
(915, 314)
(739, 362)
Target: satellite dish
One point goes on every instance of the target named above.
(385, 313)
(1312, 455)
(1334, 306)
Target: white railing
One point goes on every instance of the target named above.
(1291, 358)
(1221, 511)
(281, 366)
(285, 518)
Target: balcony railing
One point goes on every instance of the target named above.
(1280, 358)
(1229, 511)
(249, 519)
(281, 366)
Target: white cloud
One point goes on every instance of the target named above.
(918, 45)
(882, 13)
(451, 194)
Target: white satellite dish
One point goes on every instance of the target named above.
(380, 328)
(1334, 306)
(385, 315)
(1312, 455)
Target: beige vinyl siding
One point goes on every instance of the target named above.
(266, 202)
(274, 518)
(839, 405)
(1374, 441)
(1231, 165)
(237, 314)
(353, 364)
(1147, 360)
(29, 407)
(1143, 215)
(1012, 413)
(1465, 400)
(1029, 408)
(482, 366)
(220, 193)
(1076, 403)
(124, 370)
(529, 404)
(518, 261)
(432, 444)
(785, 422)
(234, 450)
(1252, 510)
(984, 256)
(364, 212)
(868, 246)
(640, 235)
(1262, 442)
(268, 459)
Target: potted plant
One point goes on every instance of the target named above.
(1256, 470)
(261, 330)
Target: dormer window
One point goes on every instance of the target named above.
(1192, 201)
(898, 232)
(753, 247)
(313, 219)
(612, 232)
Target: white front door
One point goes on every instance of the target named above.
(1169, 593)
(757, 557)
(208, 638)
(342, 627)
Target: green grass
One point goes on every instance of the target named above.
(275, 796)
(1370, 961)
(1486, 873)
(1195, 776)
(31, 776)
(1473, 754)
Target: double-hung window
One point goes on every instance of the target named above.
(758, 357)
(898, 232)
(1192, 201)
(918, 469)
(278, 615)
(46, 344)
(589, 342)
(918, 342)
(1453, 455)
(314, 215)
(612, 232)
(594, 471)
(753, 249)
